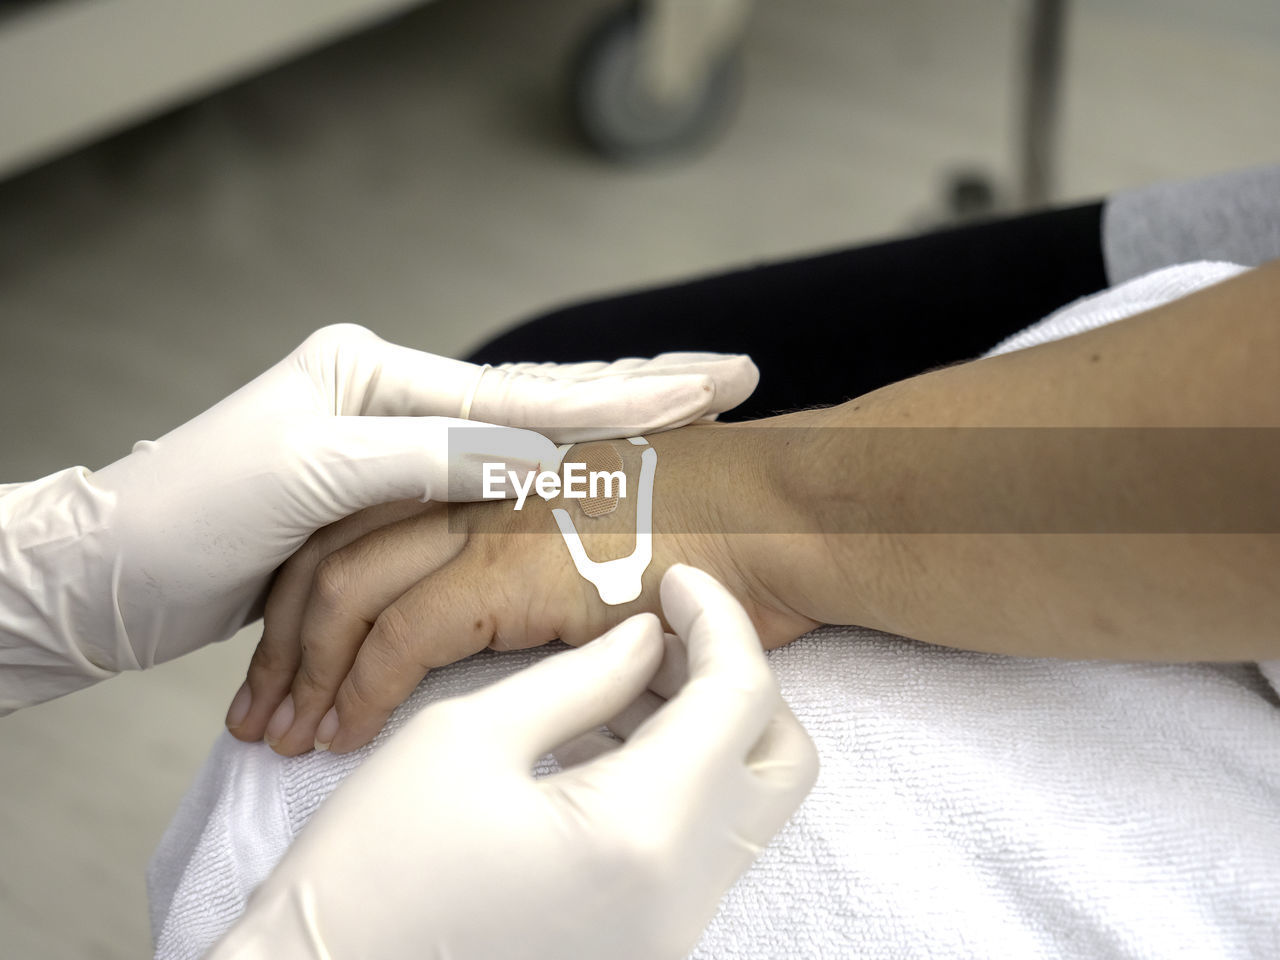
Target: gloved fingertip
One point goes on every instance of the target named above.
(685, 591)
(636, 645)
(738, 382)
(679, 579)
(631, 635)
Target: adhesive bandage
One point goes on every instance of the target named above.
(602, 460)
(621, 580)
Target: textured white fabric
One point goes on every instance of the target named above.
(1123, 300)
(1228, 216)
(968, 806)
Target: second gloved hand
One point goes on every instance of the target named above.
(443, 844)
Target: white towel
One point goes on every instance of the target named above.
(969, 805)
(1124, 300)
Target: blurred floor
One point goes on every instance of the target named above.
(420, 179)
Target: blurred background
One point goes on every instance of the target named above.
(187, 192)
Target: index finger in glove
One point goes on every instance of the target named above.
(728, 723)
(573, 403)
(564, 695)
(735, 375)
(344, 464)
(670, 676)
(361, 374)
(727, 703)
(666, 683)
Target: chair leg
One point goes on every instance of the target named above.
(1041, 96)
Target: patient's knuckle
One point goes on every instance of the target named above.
(282, 601)
(393, 638)
(310, 681)
(308, 556)
(331, 583)
(358, 695)
(300, 568)
(269, 659)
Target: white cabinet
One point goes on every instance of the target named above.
(73, 70)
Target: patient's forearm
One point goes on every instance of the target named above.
(1138, 543)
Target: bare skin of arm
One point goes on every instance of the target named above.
(1210, 360)
(1148, 528)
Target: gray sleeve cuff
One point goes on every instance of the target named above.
(1232, 217)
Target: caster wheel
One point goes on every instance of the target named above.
(620, 120)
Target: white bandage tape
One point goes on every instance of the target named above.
(621, 580)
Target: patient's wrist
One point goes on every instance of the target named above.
(833, 558)
(765, 506)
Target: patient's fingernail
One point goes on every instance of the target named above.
(327, 730)
(240, 704)
(281, 721)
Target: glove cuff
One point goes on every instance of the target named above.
(59, 627)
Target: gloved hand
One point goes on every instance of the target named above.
(443, 844)
(173, 546)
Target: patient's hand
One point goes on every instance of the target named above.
(358, 617)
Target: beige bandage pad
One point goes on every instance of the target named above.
(598, 457)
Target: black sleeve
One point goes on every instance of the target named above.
(829, 327)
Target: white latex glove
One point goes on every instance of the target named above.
(173, 546)
(444, 845)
